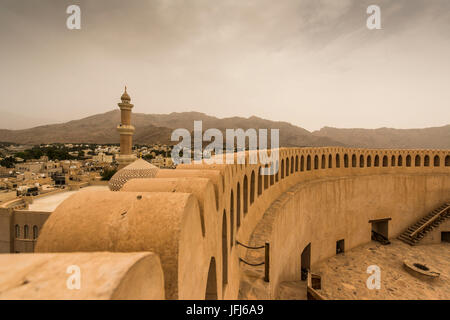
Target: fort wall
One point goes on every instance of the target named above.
(193, 224)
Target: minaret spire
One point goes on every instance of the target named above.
(126, 131)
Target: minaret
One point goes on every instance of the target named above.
(126, 131)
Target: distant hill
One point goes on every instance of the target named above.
(427, 138)
(154, 128)
(157, 128)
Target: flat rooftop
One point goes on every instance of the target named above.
(344, 276)
(50, 202)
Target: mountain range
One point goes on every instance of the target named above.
(157, 128)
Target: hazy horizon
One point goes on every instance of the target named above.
(312, 63)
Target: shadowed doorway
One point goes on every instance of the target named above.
(306, 262)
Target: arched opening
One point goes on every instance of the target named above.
(447, 161)
(338, 160)
(393, 161)
(278, 171)
(25, 231)
(322, 164)
(287, 167)
(408, 160)
(211, 284)
(238, 206)
(296, 163)
(400, 161)
(426, 161)
(17, 230)
(316, 162)
(417, 161)
(376, 162)
(369, 161)
(245, 194)
(292, 164)
(282, 169)
(260, 181)
(272, 175)
(436, 161)
(305, 262)
(330, 161)
(35, 232)
(385, 161)
(302, 163)
(231, 219)
(361, 161)
(252, 188)
(354, 161)
(224, 251)
(345, 160)
(266, 177)
(308, 162)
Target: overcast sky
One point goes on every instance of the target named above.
(313, 63)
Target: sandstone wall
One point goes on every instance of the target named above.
(192, 216)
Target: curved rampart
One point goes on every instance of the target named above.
(193, 223)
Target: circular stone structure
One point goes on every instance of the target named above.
(420, 270)
(139, 169)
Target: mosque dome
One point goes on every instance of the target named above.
(139, 169)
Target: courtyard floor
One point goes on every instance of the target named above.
(344, 276)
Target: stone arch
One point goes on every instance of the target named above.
(400, 161)
(426, 161)
(354, 160)
(211, 284)
(346, 160)
(231, 219)
(330, 161)
(302, 163)
(224, 251)
(369, 161)
(393, 161)
(266, 177)
(292, 164)
(308, 162)
(245, 194)
(408, 160)
(338, 160)
(25, 231)
(376, 162)
(282, 168)
(417, 161)
(287, 167)
(35, 232)
(252, 188)
(385, 161)
(238, 206)
(436, 161)
(296, 163)
(361, 161)
(278, 171)
(260, 182)
(316, 162)
(322, 165)
(272, 175)
(447, 161)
